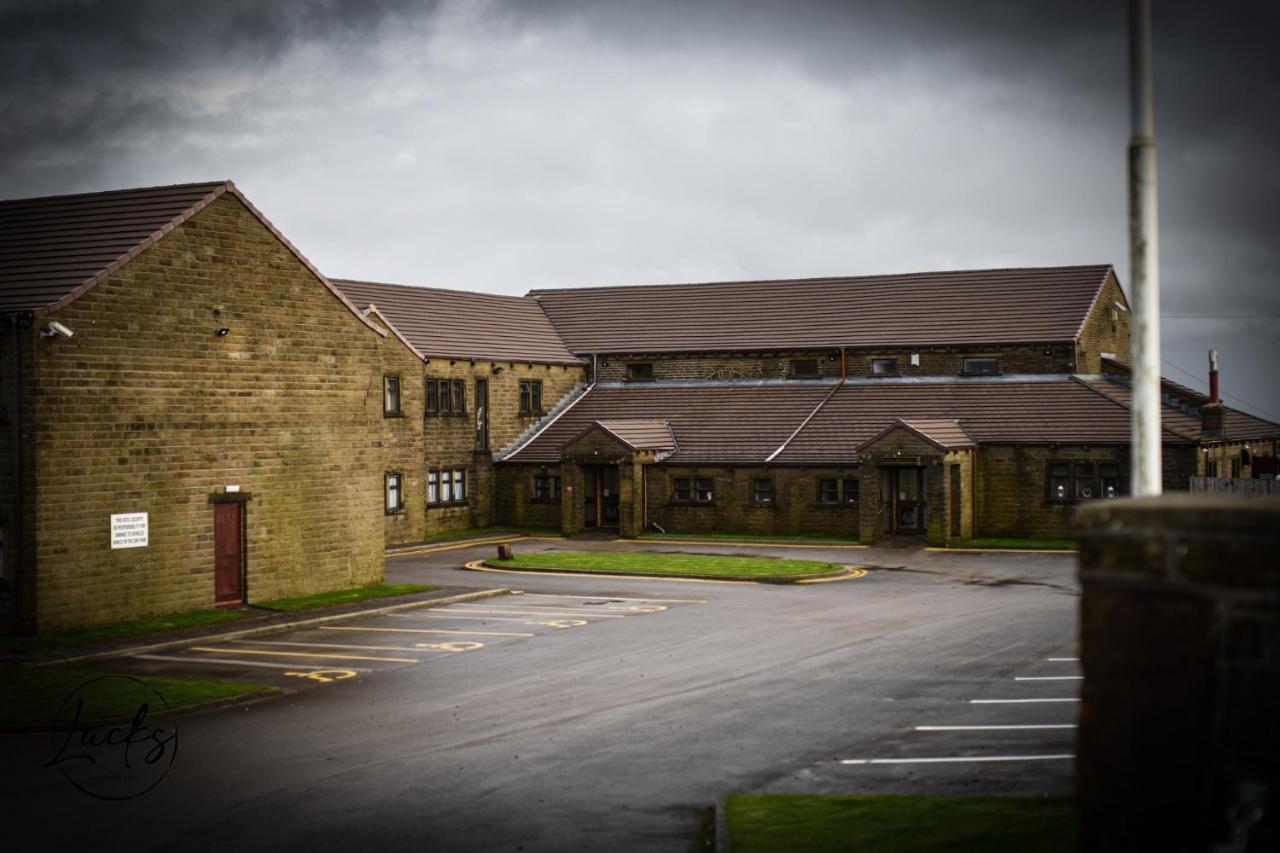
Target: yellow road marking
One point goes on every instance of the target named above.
(430, 631)
(854, 574)
(606, 597)
(453, 546)
(1005, 550)
(451, 647)
(730, 543)
(301, 655)
(552, 623)
(413, 648)
(478, 566)
(325, 676)
(548, 612)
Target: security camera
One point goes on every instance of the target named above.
(55, 329)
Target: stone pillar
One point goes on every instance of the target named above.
(571, 480)
(1179, 738)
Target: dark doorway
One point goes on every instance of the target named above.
(908, 499)
(228, 553)
(482, 414)
(955, 501)
(600, 495)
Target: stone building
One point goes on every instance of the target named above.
(192, 412)
(946, 405)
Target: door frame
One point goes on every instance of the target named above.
(593, 515)
(239, 500)
(898, 502)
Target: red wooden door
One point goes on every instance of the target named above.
(228, 553)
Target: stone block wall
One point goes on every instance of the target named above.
(147, 409)
(1106, 329)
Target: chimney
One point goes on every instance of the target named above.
(1213, 376)
(1212, 421)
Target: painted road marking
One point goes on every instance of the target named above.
(609, 598)
(427, 631)
(263, 664)
(505, 611)
(325, 676)
(479, 566)
(1063, 660)
(958, 759)
(301, 655)
(414, 648)
(853, 574)
(1014, 701)
(484, 618)
(992, 728)
(1048, 678)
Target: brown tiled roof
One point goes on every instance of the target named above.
(976, 306)
(725, 423)
(640, 434)
(1237, 425)
(458, 324)
(941, 433)
(53, 248)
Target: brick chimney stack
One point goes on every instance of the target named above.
(1212, 416)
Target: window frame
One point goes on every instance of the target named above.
(459, 397)
(546, 488)
(679, 486)
(432, 405)
(531, 397)
(388, 489)
(845, 483)
(1081, 476)
(643, 368)
(392, 393)
(967, 370)
(828, 491)
(770, 492)
(449, 484)
(887, 360)
(795, 373)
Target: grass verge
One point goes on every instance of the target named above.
(117, 630)
(651, 563)
(344, 596)
(478, 532)
(34, 695)
(1011, 542)
(880, 824)
(749, 537)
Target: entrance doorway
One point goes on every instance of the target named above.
(905, 499)
(228, 553)
(600, 495)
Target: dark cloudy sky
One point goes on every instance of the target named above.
(508, 145)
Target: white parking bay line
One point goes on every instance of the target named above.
(958, 759)
(332, 645)
(993, 728)
(264, 664)
(1016, 701)
(426, 631)
(1063, 660)
(1048, 678)
(612, 598)
(559, 611)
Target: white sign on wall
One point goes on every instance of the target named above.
(129, 530)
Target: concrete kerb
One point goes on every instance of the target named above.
(849, 573)
(279, 627)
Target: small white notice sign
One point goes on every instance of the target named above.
(129, 530)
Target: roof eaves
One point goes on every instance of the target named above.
(136, 250)
(1104, 395)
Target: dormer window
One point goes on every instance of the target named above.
(804, 368)
(640, 371)
(981, 366)
(884, 367)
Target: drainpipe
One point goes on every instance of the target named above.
(842, 366)
(1144, 258)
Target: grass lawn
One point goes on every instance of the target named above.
(344, 596)
(647, 563)
(117, 630)
(1011, 542)
(32, 696)
(871, 824)
(748, 537)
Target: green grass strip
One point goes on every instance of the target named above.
(696, 565)
(117, 630)
(32, 696)
(344, 596)
(788, 823)
(751, 537)
(1013, 542)
(478, 532)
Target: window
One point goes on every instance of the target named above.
(530, 396)
(1235, 466)
(640, 372)
(446, 397)
(1068, 482)
(686, 490)
(1211, 468)
(459, 396)
(983, 366)
(680, 490)
(828, 491)
(804, 368)
(391, 396)
(851, 487)
(884, 366)
(395, 493)
(703, 490)
(546, 487)
(447, 486)
(433, 397)
(1109, 481)
(762, 491)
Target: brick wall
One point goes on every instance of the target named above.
(1105, 330)
(147, 410)
(1011, 488)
